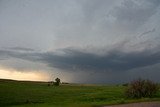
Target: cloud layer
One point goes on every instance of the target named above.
(107, 38)
(72, 59)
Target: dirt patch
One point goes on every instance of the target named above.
(142, 104)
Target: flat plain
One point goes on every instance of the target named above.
(39, 94)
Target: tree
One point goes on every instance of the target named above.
(57, 83)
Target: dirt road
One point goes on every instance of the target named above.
(143, 104)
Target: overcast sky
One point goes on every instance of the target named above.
(83, 41)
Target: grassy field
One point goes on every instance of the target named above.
(38, 94)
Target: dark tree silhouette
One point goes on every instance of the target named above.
(57, 83)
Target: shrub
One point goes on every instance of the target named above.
(141, 88)
(125, 84)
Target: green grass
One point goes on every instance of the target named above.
(37, 94)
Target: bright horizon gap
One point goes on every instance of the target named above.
(23, 76)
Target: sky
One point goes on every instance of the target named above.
(80, 41)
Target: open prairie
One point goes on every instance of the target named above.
(39, 94)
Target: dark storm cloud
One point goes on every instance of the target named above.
(74, 60)
(113, 61)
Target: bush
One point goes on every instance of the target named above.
(141, 88)
(126, 84)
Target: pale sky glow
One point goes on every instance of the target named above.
(84, 41)
(16, 75)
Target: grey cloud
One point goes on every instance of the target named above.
(21, 59)
(71, 59)
(133, 14)
(21, 49)
(114, 61)
(12, 53)
(93, 10)
(148, 32)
